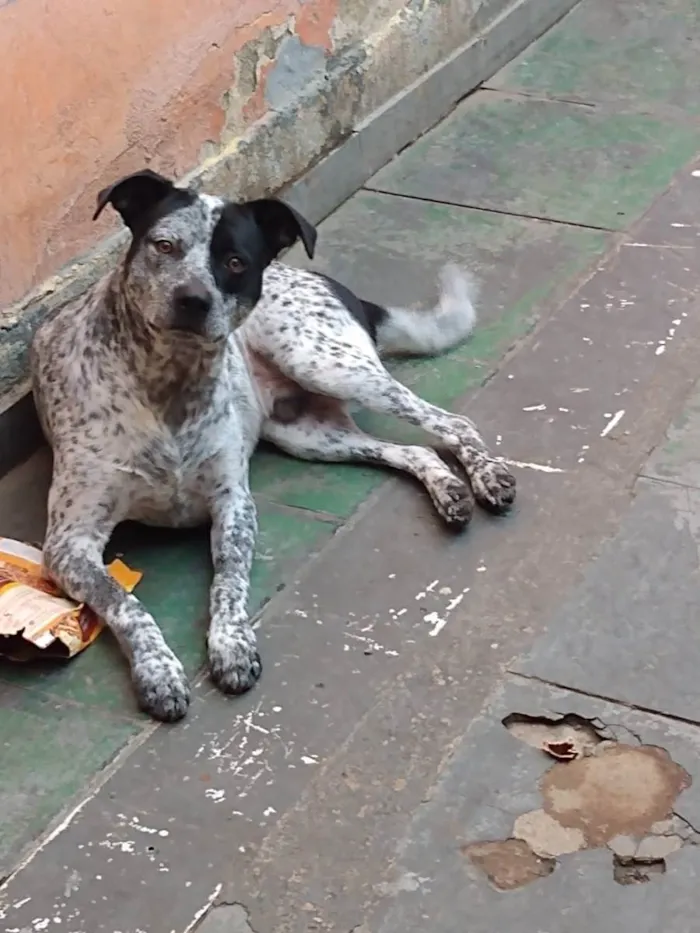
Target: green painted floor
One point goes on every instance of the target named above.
(526, 183)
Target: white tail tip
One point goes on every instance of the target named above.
(428, 332)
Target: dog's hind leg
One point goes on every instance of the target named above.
(356, 374)
(82, 516)
(325, 431)
(234, 661)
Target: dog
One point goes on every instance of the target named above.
(156, 385)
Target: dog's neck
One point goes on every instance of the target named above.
(171, 369)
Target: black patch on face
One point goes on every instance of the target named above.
(237, 234)
(176, 200)
(368, 314)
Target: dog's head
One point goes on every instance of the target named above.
(196, 262)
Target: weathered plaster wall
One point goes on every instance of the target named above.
(93, 90)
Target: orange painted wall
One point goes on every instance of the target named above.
(91, 89)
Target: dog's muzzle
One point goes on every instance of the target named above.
(192, 302)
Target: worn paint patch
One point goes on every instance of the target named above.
(295, 66)
(600, 794)
(510, 864)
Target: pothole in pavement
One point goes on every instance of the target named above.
(600, 793)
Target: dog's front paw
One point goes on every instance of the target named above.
(161, 686)
(493, 485)
(234, 661)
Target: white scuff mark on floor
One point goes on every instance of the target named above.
(696, 173)
(216, 794)
(657, 246)
(660, 349)
(681, 225)
(204, 909)
(242, 750)
(439, 619)
(372, 646)
(578, 390)
(134, 823)
(453, 603)
(409, 882)
(613, 422)
(539, 467)
(438, 622)
(125, 846)
(539, 407)
(309, 760)
(269, 811)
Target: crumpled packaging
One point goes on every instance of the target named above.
(37, 620)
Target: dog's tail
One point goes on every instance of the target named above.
(406, 332)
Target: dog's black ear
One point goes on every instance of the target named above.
(282, 226)
(134, 195)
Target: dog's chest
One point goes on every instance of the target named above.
(173, 473)
(170, 476)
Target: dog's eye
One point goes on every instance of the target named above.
(235, 264)
(164, 246)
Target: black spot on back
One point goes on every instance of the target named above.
(368, 314)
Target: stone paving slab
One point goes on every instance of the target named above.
(490, 780)
(677, 458)
(49, 749)
(629, 54)
(542, 158)
(629, 630)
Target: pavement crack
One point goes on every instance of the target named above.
(616, 701)
(541, 98)
(686, 822)
(489, 210)
(609, 726)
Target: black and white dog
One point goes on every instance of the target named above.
(155, 387)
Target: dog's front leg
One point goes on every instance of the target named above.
(234, 661)
(82, 516)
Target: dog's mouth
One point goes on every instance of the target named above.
(193, 334)
(193, 329)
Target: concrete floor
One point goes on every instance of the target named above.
(411, 676)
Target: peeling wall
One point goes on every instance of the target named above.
(94, 90)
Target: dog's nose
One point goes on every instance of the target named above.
(192, 298)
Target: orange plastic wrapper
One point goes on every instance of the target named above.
(37, 620)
